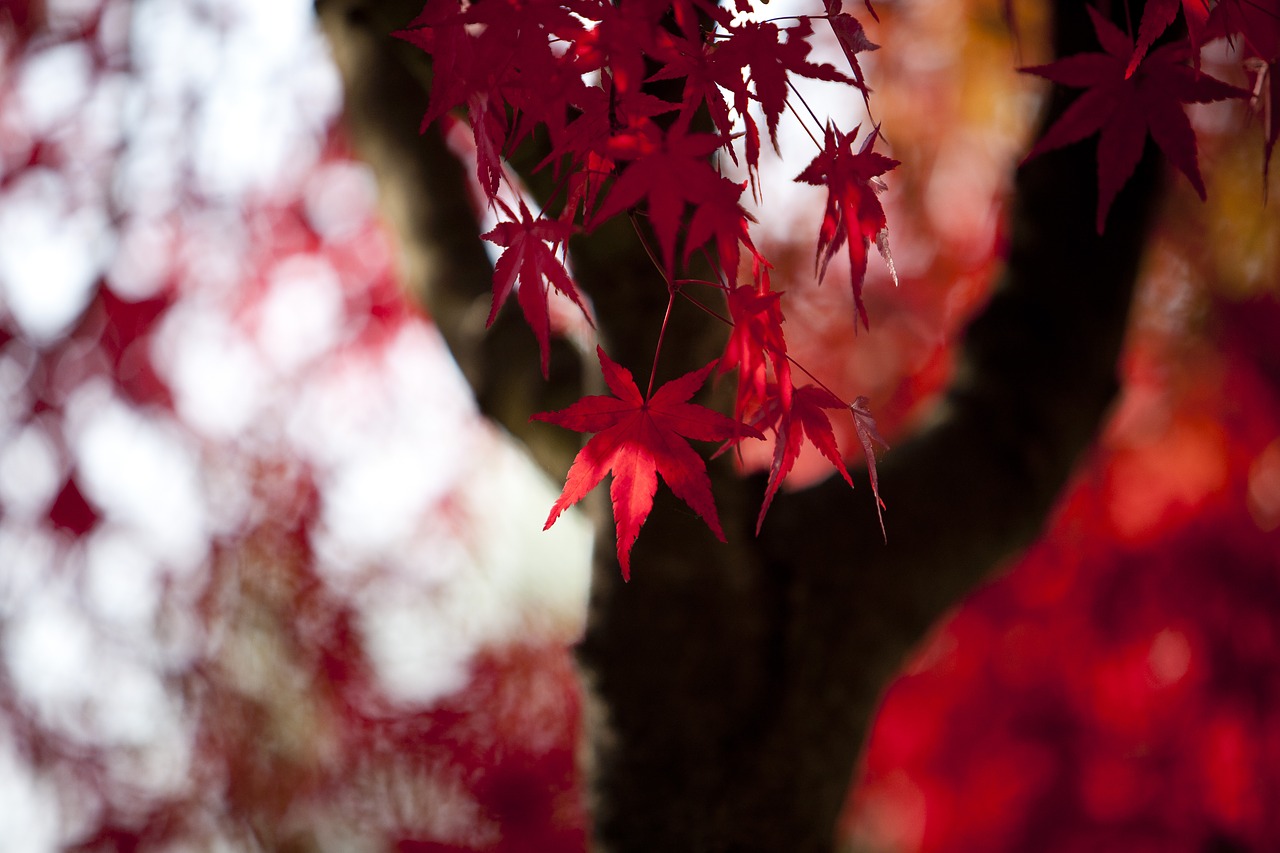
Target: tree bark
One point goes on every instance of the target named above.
(732, 685)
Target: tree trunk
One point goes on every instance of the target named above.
(732, 686)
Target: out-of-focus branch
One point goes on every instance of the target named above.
(425, 196)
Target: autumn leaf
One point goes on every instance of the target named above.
(530, 257)
(638, 439)
(758, 48)
(853, 214)
(691, 57)
(604, 115)
(1255, 23)
(719, 219)
(487, 57)
(869, 437)
(804, 418)
(751, 61)
(1123, 110)
(755, 343)
(1156, 17)
(669, 170)
(852, 38)
(623, 38)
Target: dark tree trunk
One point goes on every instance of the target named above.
(731, 686)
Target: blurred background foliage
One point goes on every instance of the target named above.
(267, 582)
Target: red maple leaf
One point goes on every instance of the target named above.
(869, 437)
(668, 170)
(1255, 22)
(1123, 109)
(854, 214)
(757, 48)
(626, 34)
(750, 52)
(1156, 17)
(690, 56)
(718, 218)
(755, 342)
(606, 115)
(639, 439)
(530, 257)
(852, 37)
(804, 418)
(496, 59)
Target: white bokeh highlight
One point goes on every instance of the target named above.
(429, 523)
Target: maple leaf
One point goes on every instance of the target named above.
(1156, 17)
(852, 38)
(756, 336)
(605, 115)
(668, 172)
(496, 57)
(625, 35)
(638, 440)
(1123, 109)
(755, 48)
(467, 75)
(869, 437)
(530, 257)
(1256, 22)
(717, 217)
(515, 39)
(439, 31)
(758, 48)
(804, 418)
(854, 214)
(690, 57)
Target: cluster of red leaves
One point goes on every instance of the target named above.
(576, 70)
(1134, 91)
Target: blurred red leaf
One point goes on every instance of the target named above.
(71, 510)
(1156, 17)
(1125, 108)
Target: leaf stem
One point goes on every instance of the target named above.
(662, 333)
(800, 118)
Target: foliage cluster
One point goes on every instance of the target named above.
(581, 74)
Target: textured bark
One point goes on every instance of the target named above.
(733, 685)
